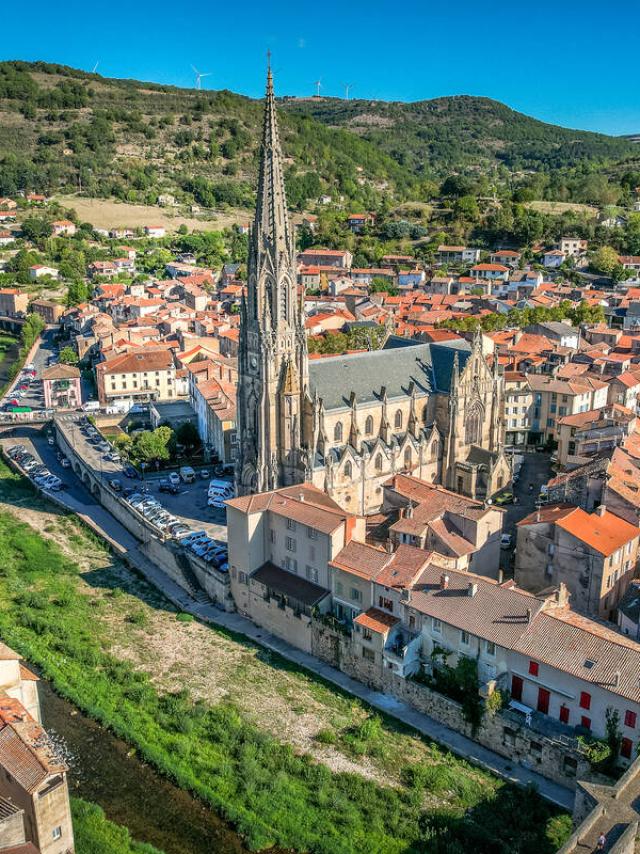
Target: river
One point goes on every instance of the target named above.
(105, 771)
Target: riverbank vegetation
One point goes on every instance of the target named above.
(95, 834)
(60, 614)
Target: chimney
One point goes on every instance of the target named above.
(601, 510)
(301, 497)
(500, 576)
(472, 589)
(444, 581)
(528, 615)
(409, 511)
(405, 594)
(616, 679)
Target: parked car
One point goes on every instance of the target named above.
(167, 486)
(204, 474)
(505, 497)
(174, 479)
(130, 472)
(505, 541)
(115, 485)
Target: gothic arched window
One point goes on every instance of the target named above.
(435, 449)
(407, 458)
(424, 414)
(348, 471)
(473, 424)
(397, 420)
(337, 432)
(378, 462)
(368, 425)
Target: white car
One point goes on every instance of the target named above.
(174, 479)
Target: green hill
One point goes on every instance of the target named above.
(67, 130)
(462, 131)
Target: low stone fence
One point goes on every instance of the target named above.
(502, 732)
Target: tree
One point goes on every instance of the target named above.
(605, 260)
(152, 445)
(36, 228)
(68, 356)
(379, 283)
(187, 435)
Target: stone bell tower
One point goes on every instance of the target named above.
(273, 362)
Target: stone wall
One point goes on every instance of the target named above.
(505, 733)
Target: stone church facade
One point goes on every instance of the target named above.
(348, 423)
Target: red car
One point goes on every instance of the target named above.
(23, 387)
(13, 402)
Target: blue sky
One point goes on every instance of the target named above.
(571, 63)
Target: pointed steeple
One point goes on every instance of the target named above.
(271, 223)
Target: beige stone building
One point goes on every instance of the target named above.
(594, 555)
(13, 302)
(436, 519)
(141, 375)
(280, 545)
(34, 796)
(597, 431)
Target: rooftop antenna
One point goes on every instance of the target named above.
(347, 88)
(95, 67)
(318, 85)
(199, 76)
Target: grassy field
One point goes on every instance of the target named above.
(109, 213)
(287, 759)
(95, 834)
(562, 207)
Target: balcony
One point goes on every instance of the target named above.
(402, 651)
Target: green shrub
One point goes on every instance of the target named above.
(326, 736)
(183, 617)
(95, 834)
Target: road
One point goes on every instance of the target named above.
(536, 470)
(189, 505)
(34, 397)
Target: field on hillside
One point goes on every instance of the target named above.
(109, 213)
(562, 207)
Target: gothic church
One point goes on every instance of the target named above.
(348, 423)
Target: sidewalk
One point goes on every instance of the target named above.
(126, 546)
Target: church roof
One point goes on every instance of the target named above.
(428, 366)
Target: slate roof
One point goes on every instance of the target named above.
(428, 366)
(289, 584)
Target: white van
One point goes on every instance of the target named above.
(187, 474)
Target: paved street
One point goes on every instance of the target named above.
(33, 397)
(536, 470)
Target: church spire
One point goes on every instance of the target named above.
(271, 228)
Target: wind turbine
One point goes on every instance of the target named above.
(318, 85)
(347, 88)
(95, 67)
(199, 76)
